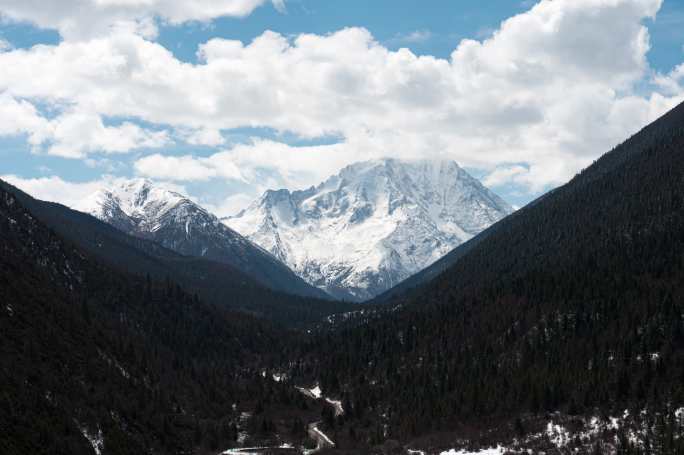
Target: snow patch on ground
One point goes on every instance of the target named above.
(96, 439)
(491, 451)
(337, 405)
(617, 422)
(558, 435)
(250, 450)
(314, 392)
(257, 450)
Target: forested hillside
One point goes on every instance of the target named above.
(573, 304)
(96, 361)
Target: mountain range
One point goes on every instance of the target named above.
(557, 329)
(141, 209)
(372, 225)
(354, 236)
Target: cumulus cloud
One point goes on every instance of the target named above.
(73, 134)
(504, 174)
(186, 168)
(21, 117)
(550, 89)
(203, 136)
(284, 166)
(671, 83)
(76, 135)
(80, 19)
(287, 166)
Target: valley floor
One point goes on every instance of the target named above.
(549, 433)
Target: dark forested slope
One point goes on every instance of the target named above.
(94, 359)
(573, 304)
(667, 125)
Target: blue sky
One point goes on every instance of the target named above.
(440, 24)
(521, 148)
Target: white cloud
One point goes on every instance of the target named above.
(5, 45)
(203, 136)
(503, 175)
(287, 166)
(80, 19)
(185, 168)
(671, 83)
(54, 189)
(73, 134)
(231, 205)
(550, 89)
(77, 195)
(21, 117)
(73, 194)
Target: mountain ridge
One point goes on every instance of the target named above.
(142, 209)
(216, 283)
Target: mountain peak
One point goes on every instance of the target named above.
(155, 212)
(136, 198)
(373, 224)
(390, 166)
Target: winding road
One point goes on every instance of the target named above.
(322, 441)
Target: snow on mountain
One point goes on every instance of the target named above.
(135, 205)
(372, 225)
(145, 210)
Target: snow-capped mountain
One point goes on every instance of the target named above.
(372, 225)
(142, 209)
